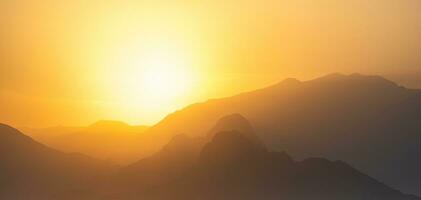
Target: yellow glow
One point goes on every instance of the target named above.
(150, 75)
(165, 71)
(75, 62)
(164, 82)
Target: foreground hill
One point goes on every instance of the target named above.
(233, 166)
(106, 140)
(368, 121)
(30, 170)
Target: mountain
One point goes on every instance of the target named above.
(232, 166)
(176, 158)
(235, 122)
(30, 170)
(106, 140)
(239, 169)
(367, 121)
(179, 155)
(173, 160)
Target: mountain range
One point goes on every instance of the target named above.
(113, 141)
(367, 121)
(231, 164)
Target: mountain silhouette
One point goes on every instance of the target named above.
(239, 169)
(238, 123)
(106, 140)
(30, 170)
(232, 166)
(231, 148)
(367, 121)
(173, 160)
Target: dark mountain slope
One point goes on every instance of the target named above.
(29, 170)
(233, 167)
(175, 159)
(252, 173)
(368, 121)
(182, 152)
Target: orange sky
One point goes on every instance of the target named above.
(74, 62)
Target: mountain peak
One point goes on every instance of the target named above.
(231, 122)
(290, 81)
(333, 76)
(235, 122)
(8, 134)
(356, 77)
(4, 128)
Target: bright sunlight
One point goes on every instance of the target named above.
(152, 75)
(165, 73)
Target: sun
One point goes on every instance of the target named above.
(165, 82)
(166, 72)
(151, 76)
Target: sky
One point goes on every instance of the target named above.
(76, 62)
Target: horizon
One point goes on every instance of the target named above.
(185, 106)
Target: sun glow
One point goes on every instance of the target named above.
(163, 82)
(152, 76)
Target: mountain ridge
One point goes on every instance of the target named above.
(232, 166)
(31, 170)
(305, 117)
(104, 139)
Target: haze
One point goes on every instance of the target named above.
(75, 62)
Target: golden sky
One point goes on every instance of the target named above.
(75, 62)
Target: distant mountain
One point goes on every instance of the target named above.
(235, 122)
(178, 157)
(367, 121)
(230, 165)
(30, 170)
(233, 166)
(107, 140)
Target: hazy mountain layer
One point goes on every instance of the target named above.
(106, 140)
(233, 166)
(368, 121)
